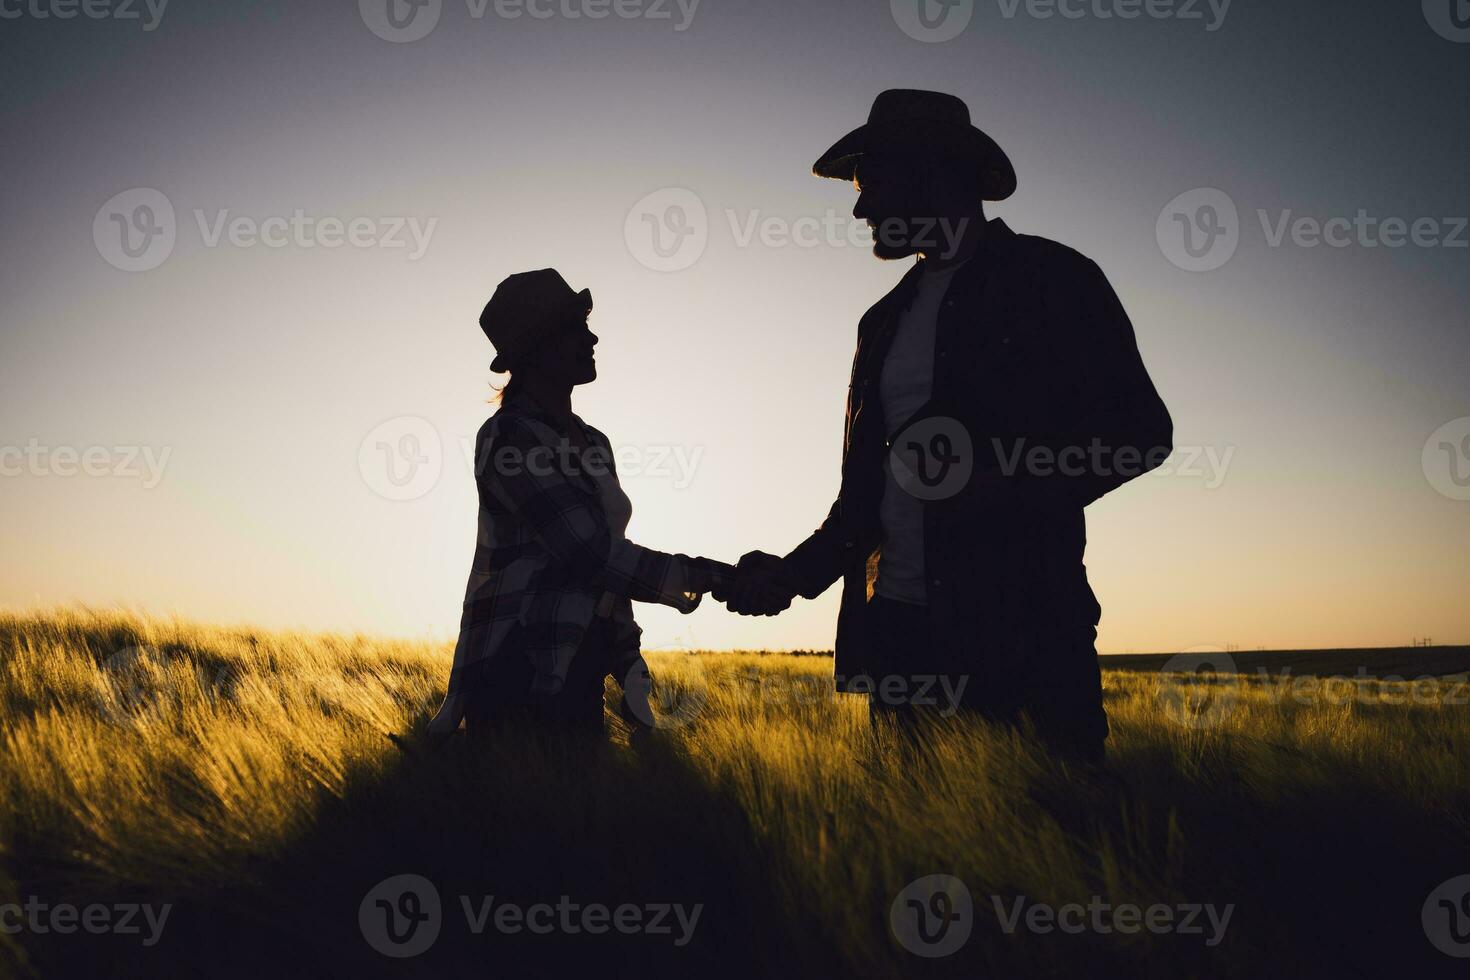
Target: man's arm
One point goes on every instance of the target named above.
(1120, 428)
(821, 559)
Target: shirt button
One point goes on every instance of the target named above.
(1005, 340)
(944, 353)
(936, 583)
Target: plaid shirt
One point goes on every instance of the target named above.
(547, 560)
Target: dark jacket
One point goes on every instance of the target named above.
(1033, 355)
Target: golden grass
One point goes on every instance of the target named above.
(161, 757)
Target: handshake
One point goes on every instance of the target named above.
(761, 585)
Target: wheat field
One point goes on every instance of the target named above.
(246, 780)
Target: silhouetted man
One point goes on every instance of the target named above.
(997, 390)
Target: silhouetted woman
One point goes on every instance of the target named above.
(548, 612)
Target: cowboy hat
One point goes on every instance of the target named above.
(914, 119)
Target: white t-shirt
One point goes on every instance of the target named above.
(905, 386)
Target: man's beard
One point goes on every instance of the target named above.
(893, 243)
(890, 252)
(904, 237)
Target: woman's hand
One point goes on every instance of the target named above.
(445, 722)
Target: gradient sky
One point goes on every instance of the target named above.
(1318, 372)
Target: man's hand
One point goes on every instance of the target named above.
(764, 586)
